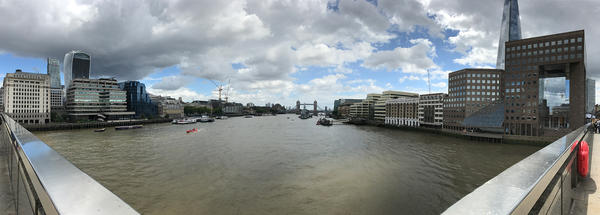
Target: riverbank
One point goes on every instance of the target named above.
(476, 136)
(70, 126)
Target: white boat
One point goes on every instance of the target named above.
(205, 119)
(183, 121)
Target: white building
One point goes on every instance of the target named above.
(402, 112)
(27, 97)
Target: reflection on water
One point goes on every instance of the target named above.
(276, 165)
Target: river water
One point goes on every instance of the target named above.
(283, 165)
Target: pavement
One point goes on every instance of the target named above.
(7, 201)
(587, 196)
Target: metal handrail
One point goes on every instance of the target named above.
(517, 189)
(54, 185)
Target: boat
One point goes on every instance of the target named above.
(194, 130)
(248, 116)
(325, 122)
(100, 130)
(221, 117)
(128, 127)
(183, 121)
(205, 119)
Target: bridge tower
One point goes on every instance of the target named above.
(298, 107)
(315, 108)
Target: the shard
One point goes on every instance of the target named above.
(510, 28)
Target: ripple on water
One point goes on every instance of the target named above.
(273, 165)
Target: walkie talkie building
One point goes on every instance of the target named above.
(510, 28)
(77, 65)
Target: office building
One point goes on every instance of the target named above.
(339, 102)
(402, 111)
(56, 89)
(431, 110)
(169, 107)
(27, 97)
(76, 66)
(510, 29)
(138, 99)
(96, 99)
(591, 96)
(365, 109)
(470, 90)
(1, 99)
(545, 83)
(53, 69)
(232, 108)
(56, 99)
(380, 105)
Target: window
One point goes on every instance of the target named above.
(553, 43)
(566, 42)
(560, 42)
(579, 48)
(547, 44)
(579, 39)
(572, 40)
(535, 45)
(529, 46)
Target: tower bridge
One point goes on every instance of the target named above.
(314, 104)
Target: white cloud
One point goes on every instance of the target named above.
(186, 94)
(172, 82)
(412, 60)
(439, 85)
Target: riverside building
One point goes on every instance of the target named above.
(96, 99)
(27, 97)
(365, 109)
(431, 110)
(169, 107)
(76, 66)
(402, 112)
(56, 89)
(545, 83)
(138, 100)
(380, 104)
(470, 90)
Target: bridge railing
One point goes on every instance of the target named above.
(44, 182)
(542, 183)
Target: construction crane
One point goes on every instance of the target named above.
(220, 88)
(227, 91)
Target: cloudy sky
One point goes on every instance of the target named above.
(278, 51)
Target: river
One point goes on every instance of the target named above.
(283, 165)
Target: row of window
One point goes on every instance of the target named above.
(474, 75)
(545, 51)
(544, 44)
(545, 59)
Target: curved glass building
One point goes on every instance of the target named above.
(77, 65)
(510, 29)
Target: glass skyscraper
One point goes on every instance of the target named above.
(77, 65)
(510, 29)
(138, 100)
(53, 69)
